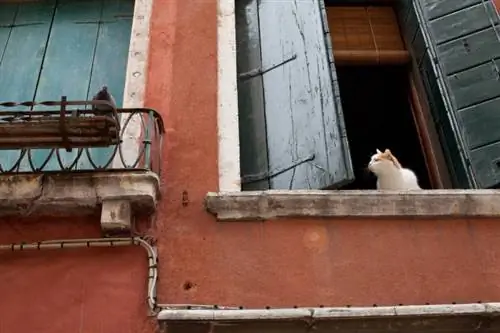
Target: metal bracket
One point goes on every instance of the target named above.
(495, 68)
(248, 179)
(62, 124)
(19, 25)
(260, 71)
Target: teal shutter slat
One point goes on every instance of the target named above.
(68, 65)
(303, 115)
(23, 53)
(111, 54)
(475, 85)
(7, 17)
(464, 48)
(110, 62)
(70, 51)
(22, 56)
(457, 24)
(465, 53)
(436, 8)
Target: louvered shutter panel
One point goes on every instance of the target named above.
(457, 46)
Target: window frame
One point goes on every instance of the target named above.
(227, 96)
(227, 93)
(231, 204)
(227, 112)
(135, 80)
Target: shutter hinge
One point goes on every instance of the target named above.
(261, 71)
(247, 179)
(20, 25)
(495, 68)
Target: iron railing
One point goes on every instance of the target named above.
(78, 136)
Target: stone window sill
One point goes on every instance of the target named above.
(117, 195)
(456, 318)
(266, 205)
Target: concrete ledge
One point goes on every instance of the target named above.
(457, 318)
(78, 193)
(265, 205)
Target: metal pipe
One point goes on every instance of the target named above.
(196, 307)
(116, 242)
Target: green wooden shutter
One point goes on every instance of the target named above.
(24, 30)
(80, 45)
(459, 49)
(289, 101)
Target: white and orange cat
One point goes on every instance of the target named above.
(390, 174)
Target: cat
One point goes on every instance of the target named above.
(390, 174)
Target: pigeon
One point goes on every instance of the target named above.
(103, 95)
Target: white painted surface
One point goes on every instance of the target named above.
(227, 96)
(135, 82)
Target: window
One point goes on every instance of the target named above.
(293, 96)
(51, 48)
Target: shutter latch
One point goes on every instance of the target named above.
(261, 71)
(495, 68)
(247, 179)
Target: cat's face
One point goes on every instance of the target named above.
(382, 161)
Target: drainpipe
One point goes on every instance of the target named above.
(100, 242)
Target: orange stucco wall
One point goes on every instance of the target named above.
(276, 263)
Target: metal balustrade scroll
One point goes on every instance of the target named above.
(78, 138)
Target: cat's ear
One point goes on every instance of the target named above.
(388, 152)
(378, 151)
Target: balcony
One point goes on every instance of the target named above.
(79, 157)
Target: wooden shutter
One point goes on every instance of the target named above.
(457, 44)
(24, 30)
(71, 48)
(295, 101)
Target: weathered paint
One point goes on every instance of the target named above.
(22, 44)
(299, 262)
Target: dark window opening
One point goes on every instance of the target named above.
(378, 114)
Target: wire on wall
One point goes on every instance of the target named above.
(154, 307)
(100, 242)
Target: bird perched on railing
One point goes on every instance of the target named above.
(103, 95)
